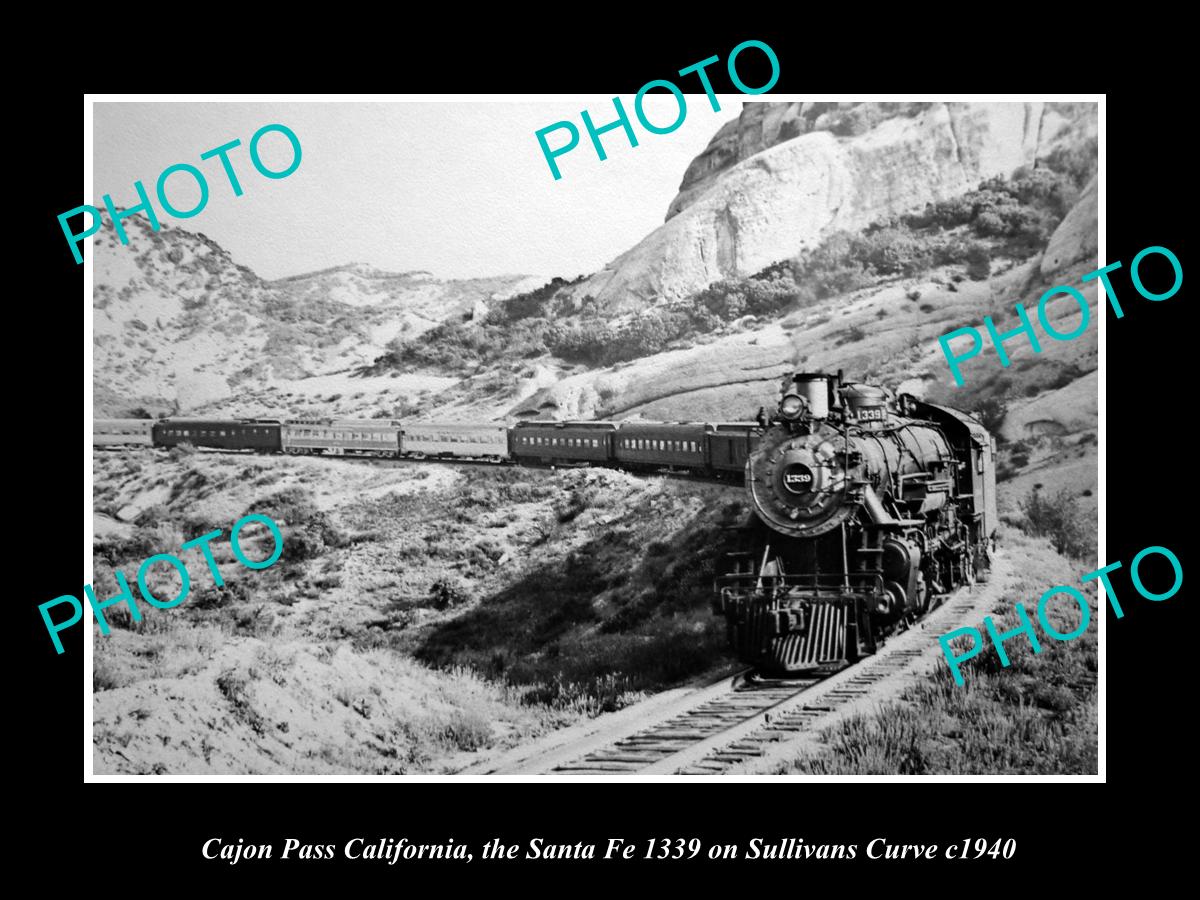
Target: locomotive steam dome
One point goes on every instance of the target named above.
(798, 484)
(866, 405)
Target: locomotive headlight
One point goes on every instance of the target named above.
(791, 406)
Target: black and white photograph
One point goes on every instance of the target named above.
(495, 437)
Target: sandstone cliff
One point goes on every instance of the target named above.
(1076, 237)
(765, 189)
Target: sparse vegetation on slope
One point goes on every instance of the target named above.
(533, 597)
(1037, 716)
(1009, 218)
(1059, 517)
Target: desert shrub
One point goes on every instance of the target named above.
(180, 451)
(979, 263)
(290, 505)
(991, 413)
(454, 346)
(724, 299)
(446, 593)
(576, 504)
(1065, 376)
(145, 541)
(852, 335)
(1059, 518)
(235, 687)
(586, 343)
(768, 296)
(1076, 162)
(153, 515)
(301, 544)
(592, 696)
(307, 531)
(213, 597)
(1023, 204)
(253, 620)
(531, 304)
(892, 251)
(597, 343)
(106, 676)
(467, 730)
(927, 307)
(1041, 189)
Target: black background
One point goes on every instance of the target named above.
(141, 828)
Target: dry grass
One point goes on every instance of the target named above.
(1037, 716)
(533, 598)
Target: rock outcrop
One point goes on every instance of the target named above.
(787, 197)
(763, 125)
(1076, 237)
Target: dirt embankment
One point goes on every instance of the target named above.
(419, 613)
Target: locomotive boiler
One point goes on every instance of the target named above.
(867, 509)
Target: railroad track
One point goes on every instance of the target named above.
(738, 720)
(726, 731)
(687, 734)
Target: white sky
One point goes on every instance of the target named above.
(456, 188)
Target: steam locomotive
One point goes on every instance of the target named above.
(866, 509)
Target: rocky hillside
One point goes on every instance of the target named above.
(180, 326)
(782, 177)
(821, 236)
(419, 613)
(763, 125)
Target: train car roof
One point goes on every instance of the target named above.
(460, 426)
(647, 427)
(358, 423)
(554, 424)
(181, 420)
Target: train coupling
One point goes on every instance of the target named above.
(785, 621)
